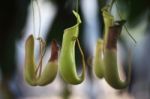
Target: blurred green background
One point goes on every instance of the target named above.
(16, 24)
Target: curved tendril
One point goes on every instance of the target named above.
(67, 55)
(31, 69)
(42, 52)
(83, 60)
(125, 26)
(98, 66)
(50, 71)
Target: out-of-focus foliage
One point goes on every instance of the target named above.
(102, 3)
(63, 19)
(135, 9)
(12, 20)
(13, 15)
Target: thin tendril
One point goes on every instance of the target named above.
(42, 53)
(33, 17)
(125, 26)
(77, 6)
(41, 58)
(82, 55)
(39, 67)
(39, 17)
(39, 12)
(111, 4)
